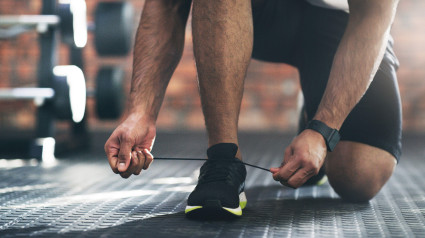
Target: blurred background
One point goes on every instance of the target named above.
(271, 90)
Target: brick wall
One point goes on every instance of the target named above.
(409, 36)
(271, 90)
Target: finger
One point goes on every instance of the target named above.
(124, 155)
(148, 158)
(112, 155)
(288, 152)
(142, 162)
(132, 167)
(113, 163)
(135, 163)
(274, 170)
(287, 155)
(300, 178)
(285, 172)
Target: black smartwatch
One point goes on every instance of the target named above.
(330, 135)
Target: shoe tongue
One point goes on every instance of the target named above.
(222, 151)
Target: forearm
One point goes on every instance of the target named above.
(158, 49)
(357, 59)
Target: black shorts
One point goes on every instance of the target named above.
(307, 37)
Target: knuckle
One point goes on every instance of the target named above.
(135, 161)
(146, 166)
(126, 138)
(310, 165)
(316, 170)
(304, 155)
(292, 170)
(308, 173)
(122, 156)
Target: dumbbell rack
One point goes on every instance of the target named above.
(113, 33)
(44, 143)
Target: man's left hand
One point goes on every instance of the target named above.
(303, 159)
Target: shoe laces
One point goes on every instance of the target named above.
(219, 171)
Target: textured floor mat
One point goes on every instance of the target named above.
(81, 197)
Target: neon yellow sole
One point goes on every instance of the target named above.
(235, 211)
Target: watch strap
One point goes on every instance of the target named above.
(330, 135)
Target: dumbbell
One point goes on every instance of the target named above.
(113, 26)
(113, 29)
(109, 94)
(70, 19)
(73, 22)
(68, 93)
(67, 97)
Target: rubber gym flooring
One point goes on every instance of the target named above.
(81, 197)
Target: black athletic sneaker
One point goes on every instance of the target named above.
(220, 189)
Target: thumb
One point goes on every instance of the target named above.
(124, 156)
(274, 170)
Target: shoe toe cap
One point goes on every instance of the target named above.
(227, 195)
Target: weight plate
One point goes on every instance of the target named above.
(70, 93)
(110, 92)
(73, 22)
(114, 28)
(66, 23)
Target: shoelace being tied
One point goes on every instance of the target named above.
(199, 159)
(217, 171)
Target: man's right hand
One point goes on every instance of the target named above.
(128, 148)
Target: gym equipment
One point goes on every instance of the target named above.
(70, 18)
(73, 22)
(60, 91)
(109, 93)
(68, 93)
(67, 96)
(17, 25)
(114, 28)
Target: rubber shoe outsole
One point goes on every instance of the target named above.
(212, 209)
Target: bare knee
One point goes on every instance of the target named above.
(357, 172)
(355, 191)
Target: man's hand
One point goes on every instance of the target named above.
(128, 148)
(303, 159)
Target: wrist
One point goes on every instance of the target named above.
(330, 135)
(329, 119)
(318, 138)
(140, 112)
(144, 104)
(140, 116)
